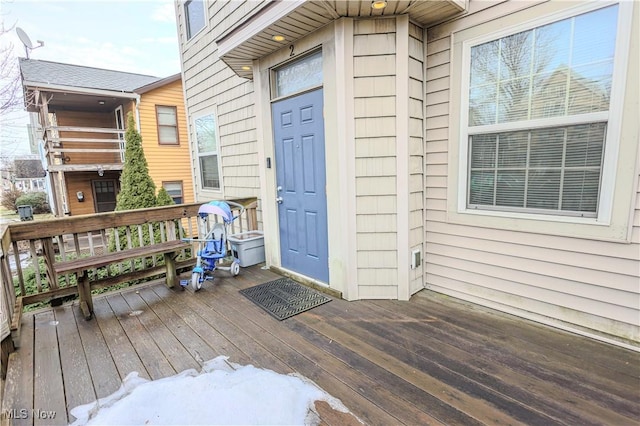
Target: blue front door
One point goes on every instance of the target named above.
(300, 179)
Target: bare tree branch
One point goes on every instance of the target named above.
(10, 94)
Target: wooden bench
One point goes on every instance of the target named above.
(81, 267)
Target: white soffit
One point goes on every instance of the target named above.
(294, 19)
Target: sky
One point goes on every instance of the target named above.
(138, 36)
(222, 393)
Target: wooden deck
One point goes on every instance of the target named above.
(432, 360)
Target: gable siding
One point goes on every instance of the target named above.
(212, 86)
(584, 284)
(374, 62)
(167, 163)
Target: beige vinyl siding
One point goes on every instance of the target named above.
(167, 163)
(416, 152)
(210, 86)
(436, 135)
(586, 285)
(374, 62)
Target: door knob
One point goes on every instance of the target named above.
(279, 200)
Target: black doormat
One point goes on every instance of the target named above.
(284, 298)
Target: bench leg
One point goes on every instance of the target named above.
(84, 292)
(170, 264)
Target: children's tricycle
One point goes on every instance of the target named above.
(214, 219)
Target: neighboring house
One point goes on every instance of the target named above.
(24, 174)
(163, 127)
(83, 111)
(430, 144)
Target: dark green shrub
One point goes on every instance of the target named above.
(137, 190)
(164, 199)
(37, 200)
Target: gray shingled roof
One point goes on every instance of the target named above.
(46, 72)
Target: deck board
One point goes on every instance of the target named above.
(18, 396)
(122, 351)
(78, 385)
(433, 360)
(102, 368)
(147, 349)
(217, 343)
(188, 338)
(172, 350)
(456, 369)
(49, 407)
(542, 354)
(551, 383)
(326, 371)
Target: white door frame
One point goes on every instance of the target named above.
(336, 41)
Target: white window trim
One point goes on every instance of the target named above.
(613, 116)
(213, 110)
(187, 39)
(614, 221)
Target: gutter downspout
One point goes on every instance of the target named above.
(137, 100)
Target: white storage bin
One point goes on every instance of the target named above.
(248, 247)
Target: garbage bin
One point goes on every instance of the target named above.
(248, 247)
(25, 212)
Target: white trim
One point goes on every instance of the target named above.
(613, 116)
(265, 19)
(402, 155)
(580, 8)
(337, 227)
(540, 123)
(211, 110)
(187, 112)
(347, 151)
(425, 66)
(79, 90)
(614, 126)
(122, 143)
(299, 92)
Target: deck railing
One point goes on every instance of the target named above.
(29, 251)
(70, 147)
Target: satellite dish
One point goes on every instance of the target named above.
(24, 38)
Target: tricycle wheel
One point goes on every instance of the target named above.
(195, 281)
(235, 269)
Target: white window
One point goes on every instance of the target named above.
(167, 119)
(536, 115)
(194, 16)
(207, 145)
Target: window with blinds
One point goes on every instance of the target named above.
(538, 108)
(167, 119)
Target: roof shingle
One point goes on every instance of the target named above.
(55, 73)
